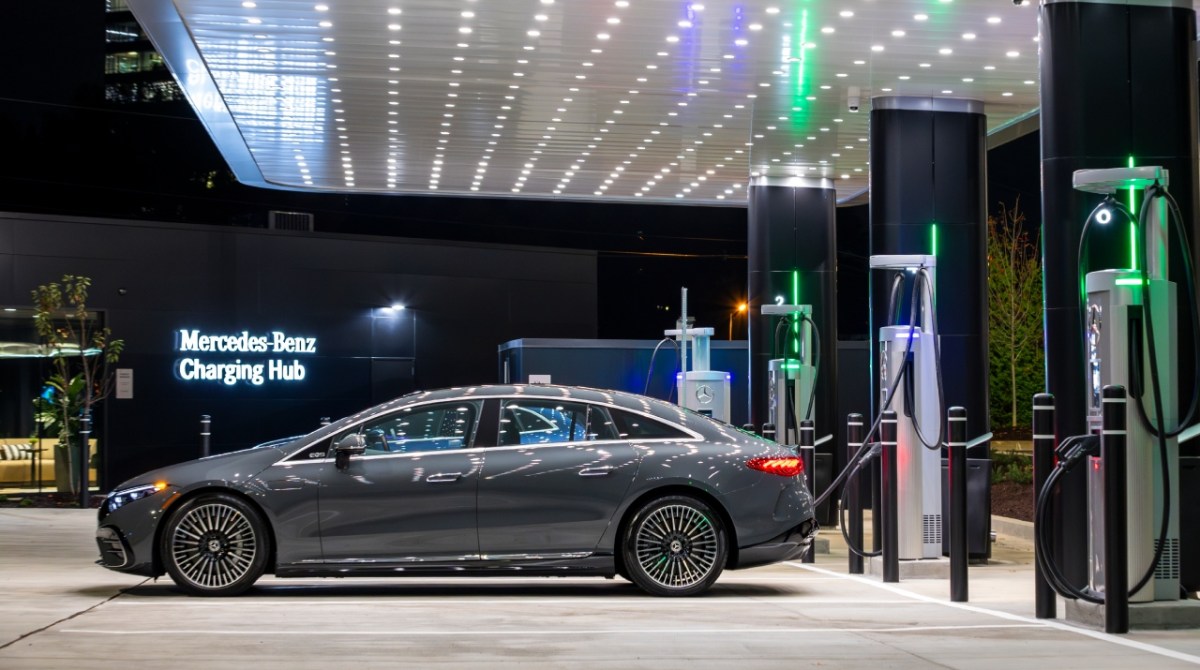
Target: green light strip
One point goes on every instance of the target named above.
(933, 238)
(796, 315)
(1133, 253)
(1129, 281)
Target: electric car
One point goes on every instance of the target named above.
(487, 480)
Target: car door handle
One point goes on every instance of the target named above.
(443, 477)
(596, 472)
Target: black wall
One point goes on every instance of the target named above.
(151, 279)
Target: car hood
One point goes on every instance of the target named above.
(223, 468)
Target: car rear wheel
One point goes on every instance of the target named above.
(675, 546)
(215, 545)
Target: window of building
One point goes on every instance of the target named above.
(123, 31)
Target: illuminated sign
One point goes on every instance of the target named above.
(253, 370)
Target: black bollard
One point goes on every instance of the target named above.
(956, 447)
(1116, 558)
(768, 431)
(854, 525)
(748, 427)
(888, 499)
(1044, 441)
(85, 435)
(205, 434)
(808, 450)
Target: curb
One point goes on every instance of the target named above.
(1014, 528)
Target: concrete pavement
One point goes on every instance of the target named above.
(59, 610)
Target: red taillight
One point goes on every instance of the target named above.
(784, 466)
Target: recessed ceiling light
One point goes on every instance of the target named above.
(905, 77)
(534, 33)
(540, 17)
(1007, 94)
(602, 36)
(393, 26)
(968, 36)
(925, 64)
(947, 92)
(466, 30)
(898, 33)
(324, 24)
(622, 3)
(468, 14)
(394, 11)
(860, 62)
(968, 79)
(772, 10)
(876, 47)
(845, 13)
(756, 26)
(1029, 82)
(920, 17)
(828, 30)
(1012, 54)
(945, 51)
(249, 5)
(989, 67)
(684, 24)
(672, 38)
(993, 20)
(321, 8)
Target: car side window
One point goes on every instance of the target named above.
(632, 426)
(434, 427)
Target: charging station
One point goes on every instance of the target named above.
(909, 372)
(700, 389)
(1129, 333)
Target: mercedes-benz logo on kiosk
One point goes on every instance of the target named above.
(704, 394)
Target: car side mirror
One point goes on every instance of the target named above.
(347, 446)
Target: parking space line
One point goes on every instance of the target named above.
(1045, 623)
(394, 601)
(546, 632)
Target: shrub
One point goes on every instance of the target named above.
(1012, 467)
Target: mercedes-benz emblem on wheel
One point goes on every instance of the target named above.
(704, 394)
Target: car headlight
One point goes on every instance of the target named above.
(118, 499)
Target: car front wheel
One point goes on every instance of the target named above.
(215, 545)
(675, 546)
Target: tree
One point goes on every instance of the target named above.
(81, 352)
(1014, 317)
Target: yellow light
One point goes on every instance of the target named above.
(158, 486)
(741, 307)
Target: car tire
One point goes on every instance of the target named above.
(675, 546)
(215, 544)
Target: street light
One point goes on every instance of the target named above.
(740, 308)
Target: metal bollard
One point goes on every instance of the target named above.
(205, 434)
(1116, 559)
(324, 421)
(808, 451)
(956, 447)
(1044, 441)
(85, 434)
(854, 525)
(888, 499)
(768, 431)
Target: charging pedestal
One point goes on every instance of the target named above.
(1115, 343)
(700, 389)
(919, 469)
(791, 380)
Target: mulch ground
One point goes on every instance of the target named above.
(1014, 501)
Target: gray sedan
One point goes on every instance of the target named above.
(486, 480)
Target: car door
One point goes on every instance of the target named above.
(410, 497)
(553, 481)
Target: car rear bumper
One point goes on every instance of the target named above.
(785, 547)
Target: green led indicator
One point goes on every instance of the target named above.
(795, 315)
(933, 238)
(1133, 253)
(1129, 281)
